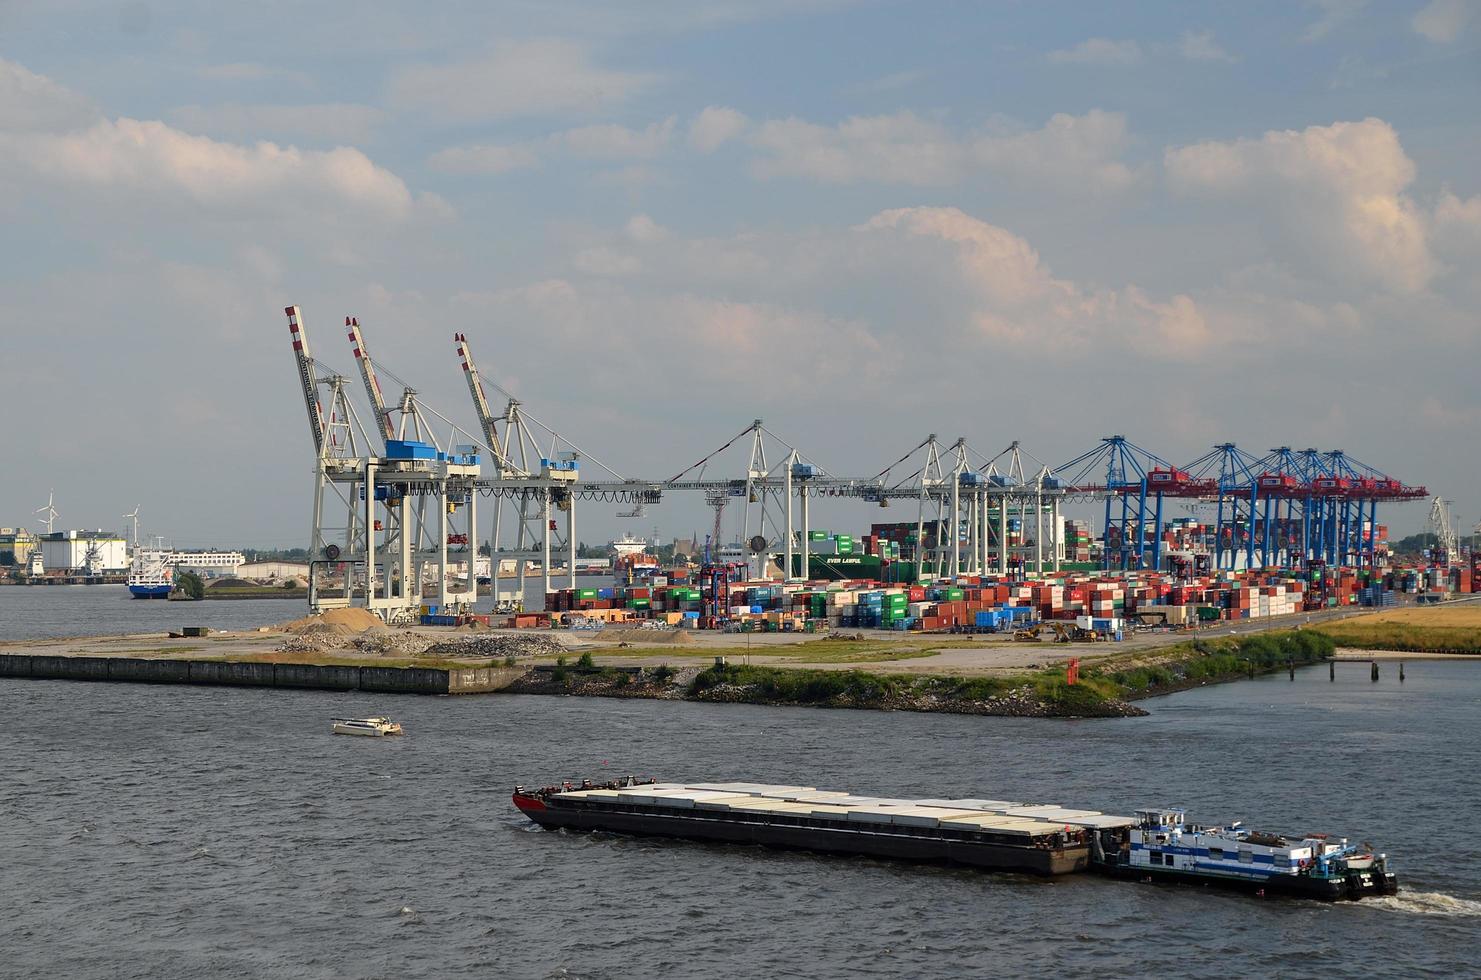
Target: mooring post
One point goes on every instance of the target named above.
(1291, 666)
(1401, 671)
(1375, 670)
(1331, 670)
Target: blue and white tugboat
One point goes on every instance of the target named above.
(151, 574)
(1162, 845)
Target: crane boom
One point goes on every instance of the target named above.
(486, 418)
(306, 377)
(372, 383)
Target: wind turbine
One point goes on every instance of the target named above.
(48, 510)
(135, 518)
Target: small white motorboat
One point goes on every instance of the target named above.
(375, 727)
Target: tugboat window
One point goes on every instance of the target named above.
(1217, 853)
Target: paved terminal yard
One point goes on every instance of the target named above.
(360, 640)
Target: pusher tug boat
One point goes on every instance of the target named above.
(1000, 835)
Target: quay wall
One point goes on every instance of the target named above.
(323, 677)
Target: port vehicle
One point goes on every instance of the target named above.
(373, 727)
(1157, 844)
(151, 574)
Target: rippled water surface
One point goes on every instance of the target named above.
(192, 832)
(43, 611)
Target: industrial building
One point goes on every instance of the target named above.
(92, 552)
(17, 543)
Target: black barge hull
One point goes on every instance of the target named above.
(1351, 887)
(714, 827)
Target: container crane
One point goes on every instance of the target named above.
(1444, 528)
(372, 383)
(307, 379)
(487, 421)
(339, 472)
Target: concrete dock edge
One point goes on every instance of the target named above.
(323, 677)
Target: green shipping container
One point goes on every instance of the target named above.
(817, 535)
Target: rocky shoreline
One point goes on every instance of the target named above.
(856, 691)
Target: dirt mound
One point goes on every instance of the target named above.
(230, 583)
(351, 619)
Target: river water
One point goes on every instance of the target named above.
(36, 612)
(188, 832)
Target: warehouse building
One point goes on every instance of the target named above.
(94, 552)
(17, 543)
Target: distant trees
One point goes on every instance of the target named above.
(190, 583)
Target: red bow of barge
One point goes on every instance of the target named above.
(997, 835)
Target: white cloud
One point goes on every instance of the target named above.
(34, 102)
(333, 123)
(714, 127)
(632, 333)
(606, 262)
(644, 230)
(606, 141)
(1442, 21)
(1077, 152)
(518, 78)
(1100, 51)
(901, 148)
(50, 139)
(1069, 151)
(610, 141)
(892, 82)
(974, 283)
(1201, 46)
(1334, 193)
(487, 159)
(1457, 236)
(1334, 13)
(1459, 213)
(129, 157)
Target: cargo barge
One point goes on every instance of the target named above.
(995, 835)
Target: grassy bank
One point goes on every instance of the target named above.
(1103, 689)
(1439, 629)
(259, 592)
(1198, 662)
(1043, 693)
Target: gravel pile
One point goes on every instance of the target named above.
(317, 638)
(390, 643)
(501, 645)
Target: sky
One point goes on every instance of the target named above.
(1186, 223)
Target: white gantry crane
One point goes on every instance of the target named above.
(1444, 527)
(383, 424)
(523, 475)
(374, 556)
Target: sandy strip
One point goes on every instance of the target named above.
(1344, 653)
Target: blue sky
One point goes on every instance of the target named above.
(1188, 223)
